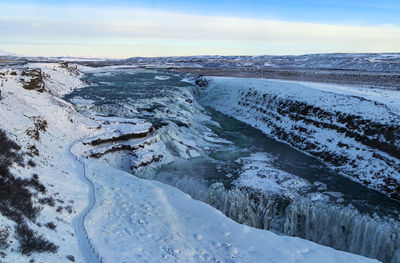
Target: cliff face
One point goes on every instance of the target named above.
(354, 130)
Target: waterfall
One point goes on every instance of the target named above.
(339, 227)
(187, 143)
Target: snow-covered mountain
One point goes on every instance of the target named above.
(8, 54)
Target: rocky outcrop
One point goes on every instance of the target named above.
(120, 132)
(130, 146)
(72, 69)
(32, 79)
(122, 137)
(201, 82)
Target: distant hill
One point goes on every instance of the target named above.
(4, 53)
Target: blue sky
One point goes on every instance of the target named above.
(125, 28)
(365, 12)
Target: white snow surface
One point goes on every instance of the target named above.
(136, 220)
(132, 220)
(333, 97)
(391, 98)
(162, 77)
(258, 174)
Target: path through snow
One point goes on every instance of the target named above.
(87, 249)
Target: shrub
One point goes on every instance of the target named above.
(69, 209)
(50, 225)
(9, 150)
(15, 195)
(16, 200)
(34, 183)
(40, 125)
(32, 150)
(47, 201)
(30, 241)
(31, 163)
(33, 133)
(4, 234)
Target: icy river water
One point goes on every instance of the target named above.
(250, 177)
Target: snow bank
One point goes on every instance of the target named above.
(257, 174)
(137, 220)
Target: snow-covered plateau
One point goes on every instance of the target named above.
(79, 161)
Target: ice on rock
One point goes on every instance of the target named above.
(258, 174)
(162, 77)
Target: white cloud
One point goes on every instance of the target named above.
(148, 32)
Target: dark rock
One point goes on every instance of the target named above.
(33, 79)
(201, 82)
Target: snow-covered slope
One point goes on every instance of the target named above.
(19, 110)
(355, 130)
(136, 220)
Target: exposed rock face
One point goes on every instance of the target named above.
(129, 146)
(356, 136)
(72, 69)
(120, 132)
(121, 137)
(64, 64)
(32, 79)
(154, 159)
(201, 82)
(130, 141)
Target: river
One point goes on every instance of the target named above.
(250, 177)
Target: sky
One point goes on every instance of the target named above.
(123, 28)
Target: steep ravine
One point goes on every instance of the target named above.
(358, 137)
(187, 148)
